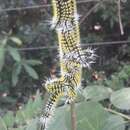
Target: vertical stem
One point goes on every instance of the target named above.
(119, 17)
(73, 116)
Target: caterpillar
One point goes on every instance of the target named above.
(72, 57)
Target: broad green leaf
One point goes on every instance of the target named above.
(114, 122)
(31, 71)
(2, 124)
(4, 41)
(58, 121)
(28, 110)
(90, 116)
(96, 93)
(33, 62)
(37, 103)
(20, 117)
(2, 56)
(121, 98)
(32, 125)
(80, 97)
(9, 119)
(16, 40)
(14, 53)
(15, 74)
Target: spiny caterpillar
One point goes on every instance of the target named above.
(72, 57)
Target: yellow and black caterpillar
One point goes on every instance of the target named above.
(72, 57)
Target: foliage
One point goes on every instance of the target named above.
(92, 111)
(21, 75)
(7, 47)
(22, 116)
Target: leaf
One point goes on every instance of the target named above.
(20, 117)
(2, 56)
(31, 71)
(32, 125)
(4, 41)
(16, 40)
(2, 124)
(96, 93)
(9, 119)
(28, 110)
(33, 62)
(14, 53)
(37, 103)
(58, 121)
(121, 98)
(90, 116)
(114, 122)
(15, 73)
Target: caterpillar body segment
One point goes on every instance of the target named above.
(64, 11)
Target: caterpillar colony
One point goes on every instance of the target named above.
(72, 57)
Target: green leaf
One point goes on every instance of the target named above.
(2, 124)
(31, 71)
(58, 121)
(4, 41)
(37, 103)
(90, 116)
(121, 98)
(15, 74)
(114, 122)
(2, 56)
(96, 93)
(33, 106)
(9, 119)
(32, 125)
(20, 117)
(16, 40)
(28, 110)
(33, 62)
(14, 53)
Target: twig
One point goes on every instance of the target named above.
(82, 45)
(73, 116)
(118, 113)
(119, 17)
(41, 6)
(89, 12)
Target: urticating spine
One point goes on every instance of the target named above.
(72, 57)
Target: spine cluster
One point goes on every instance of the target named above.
(72, 57)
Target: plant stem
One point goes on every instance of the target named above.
(119, 17)
(73, 116)
(118, 113)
